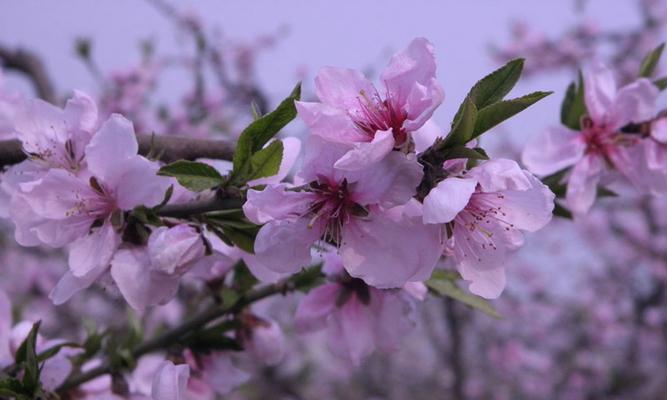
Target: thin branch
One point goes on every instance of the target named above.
(172, 336)
(165, 148)
(28, 63)
(199, 207)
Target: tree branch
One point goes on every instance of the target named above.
(165, 148)
(172, 336)
(28, 63)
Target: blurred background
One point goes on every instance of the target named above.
(585, 309)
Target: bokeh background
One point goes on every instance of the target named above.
(585, 312)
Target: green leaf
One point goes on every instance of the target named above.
(308, 279)
(27, 355)
(166, 198)
(573, 106)
(266, 162)
(52, 351)
(649, 62)
(195, 176)
(11, 387)
(555, 182)
(463, 126)
(244, 239)
(244, 280)
(464, 152)
(496, 85)
(447, 287)
(260, 131)
(561, 211)
(446, 274)
(661, 83)
(604, 192)
(492, 115)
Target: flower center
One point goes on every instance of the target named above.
(334, 207)
(375, 114)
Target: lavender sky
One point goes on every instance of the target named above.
(355, 34)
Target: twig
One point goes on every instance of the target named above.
(167, 148)
(29, 64)
(172, 336)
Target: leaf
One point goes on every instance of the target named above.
(11, 387)
(193, 175)
(166, 198)
(661, 83)
(446, 274)
(308, 279)
(266, 162)
(463, 126)
(447, 287)
(52, 351)
(492, 115)
(242, 238)
(494, 86)
(555, 182)
(464, 152)
(561, 211)
(244, 280)
(260, 131)
(26, 355)
(647, 67)
(573, 106)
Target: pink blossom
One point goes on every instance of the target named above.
(353, 111)
(381, 241)
(150, 275)
(170, 382)
(264, 340)
(54, 370)
(358, 318)
(86, 209)
(599, 149)
(485, 210)
(213, 373)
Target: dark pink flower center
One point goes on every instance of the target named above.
(375, 114)
(333, 207)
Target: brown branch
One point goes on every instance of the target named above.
(164, 148)
(28, 63)
(172, 336)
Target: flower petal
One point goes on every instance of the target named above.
(582, 185)
(599, 90)
(341, 87)
(447, 199)
(284, 246)
(365, 154)
(93, 251)
(553, 150)
(315, 308)
(170, 382)
(110, 148)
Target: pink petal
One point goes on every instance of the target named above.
(274, 202)
(261, 271)
(141, 287)
(410, 82)
(138, 184)
(40, 126)
(582, 184)
(529, 209)
(447, 199)
(170, 382)
(394, 318)
(110, 148)
(633, 103)
(284, 246)
(81, 117)
(366, 154)
(341, 87)
(93, 251)
(599, 90)
(331, 123)
(390, 182)
(69, 285)
(267, 344)
(315, 308)
(487, 283)
(553, 150)
(222, 375)
(173, 249)
(659, 130)
(500, 174)
(390, 249)
(6, 356)
(351, 332)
